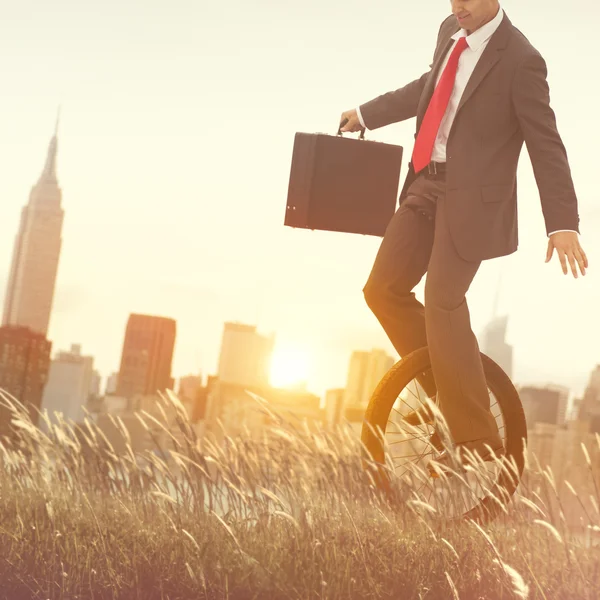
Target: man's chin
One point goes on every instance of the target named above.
(463, 23)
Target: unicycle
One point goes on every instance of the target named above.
(397, 453)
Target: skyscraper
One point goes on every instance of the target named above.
(589, 408)
(245, 356)
(70, 384)
(494, 344)
(147, 356)
(364, 374)
(546, 404)
(493, 340)
(334, 406)
(36, 252)
(111, 384)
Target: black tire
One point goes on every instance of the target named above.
(515, 436)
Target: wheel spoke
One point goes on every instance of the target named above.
(423, 440)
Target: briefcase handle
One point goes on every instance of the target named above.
(362, 131)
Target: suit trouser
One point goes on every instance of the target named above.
(417, 241)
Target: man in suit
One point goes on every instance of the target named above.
(485, 94)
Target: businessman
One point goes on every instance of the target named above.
(485, 94)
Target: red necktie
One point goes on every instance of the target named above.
(436, 109)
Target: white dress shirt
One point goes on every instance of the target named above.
(476, 44)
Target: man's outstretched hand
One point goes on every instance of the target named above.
(568, 249)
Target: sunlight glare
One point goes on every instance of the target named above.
(290, 367)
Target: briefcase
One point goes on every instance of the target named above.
(342, 184)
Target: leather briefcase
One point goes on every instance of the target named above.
(342, 184)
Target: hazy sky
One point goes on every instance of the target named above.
(175, 145)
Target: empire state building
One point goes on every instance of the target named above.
(36, 252)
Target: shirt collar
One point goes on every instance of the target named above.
(483, 34)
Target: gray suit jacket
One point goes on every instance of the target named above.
(506, 102)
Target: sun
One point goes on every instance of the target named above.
(290, 367)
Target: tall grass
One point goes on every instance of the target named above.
(290, 515)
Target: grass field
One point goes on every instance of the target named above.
(292, 515)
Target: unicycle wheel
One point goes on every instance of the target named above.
(399, 453)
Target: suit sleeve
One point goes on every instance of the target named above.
(396, 106)
(531, 101)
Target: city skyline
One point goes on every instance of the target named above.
(175, 197)
(49, 177)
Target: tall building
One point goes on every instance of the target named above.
(245, 357)
(364, 374)
(36, 252)
(493, 343)
(334, 406)
(111, 384)
(589, 408)
(564, 394)
(24, 363)
(147, 356)
(493, 338)
(71, 382)
(95, 389)
(208, 405)
(546, 404)
(191, 392)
